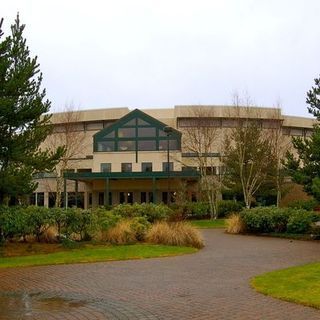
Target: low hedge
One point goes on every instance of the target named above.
(20, 222)
(278, 220)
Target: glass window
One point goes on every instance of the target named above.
(162, 133)
(40, 199)
(150, 196)
(143, 123)
(143, 198)
(101, 199)
(146, 166)
(130, 123)
(126, 167)
(110, 135)
(163, 145)
(126, 145)
(149, 145)
(146, 132)
(165, 166)
(126, 132)
(52, 199)
(105, 167)
(105, 146)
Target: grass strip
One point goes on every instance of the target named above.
(209, 224)
(299, 284)
(95, 254)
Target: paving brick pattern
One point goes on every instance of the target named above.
(211, 284)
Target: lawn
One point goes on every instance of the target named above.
(209, 224)
(298, 284)
(94, 253)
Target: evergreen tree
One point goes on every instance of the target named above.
(305, 168)
(24, 122)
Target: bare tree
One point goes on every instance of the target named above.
(280, 145)
(201, 139)
(66, 134)
(248, 154)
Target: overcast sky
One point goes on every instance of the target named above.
(148, 54)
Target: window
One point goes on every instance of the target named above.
(147, 145)
(126, 197)
(126, 145)
(143, 198)
(52, 199)
(137, 133)
(126, 167)
(40, 199)
(163, 145)
(165, 166)
(146, 166)
(126, 132)
(147, 132)
(104, 146)
(105, 167)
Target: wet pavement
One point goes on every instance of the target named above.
(211, 284)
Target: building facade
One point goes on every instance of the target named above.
(121, 156)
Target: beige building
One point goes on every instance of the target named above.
(122, 156)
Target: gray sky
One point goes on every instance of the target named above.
(149, 54)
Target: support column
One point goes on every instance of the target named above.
(154, 190)
(46, 199)
(76, 193)
(106, 192)
(65, 205)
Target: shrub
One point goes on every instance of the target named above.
(39, 219)
(258, 220)
(14, 222)
(226, 207)
(80, 223)
(140, 226)
(235, 224)
(308, 205)
(300, 222)
(152, 212)
(175, 233)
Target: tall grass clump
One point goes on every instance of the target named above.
(235, 224)
(175, 234)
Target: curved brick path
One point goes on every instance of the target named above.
(212, 284)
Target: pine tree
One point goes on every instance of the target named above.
(24, 122)
(305, 168)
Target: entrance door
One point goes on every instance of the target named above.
(126, 197)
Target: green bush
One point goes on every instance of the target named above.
(106, 218)
(126, 210)
(39, 219)
(152, 212)
(140, 226)
(82, 223)
(258, 220)
(272, 219)
(226, 207)
(300, 222)
(14, 222)
(308, 205)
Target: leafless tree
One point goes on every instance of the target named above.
(66, 134)
(201, 139)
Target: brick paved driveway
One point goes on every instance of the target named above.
(212, 284)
